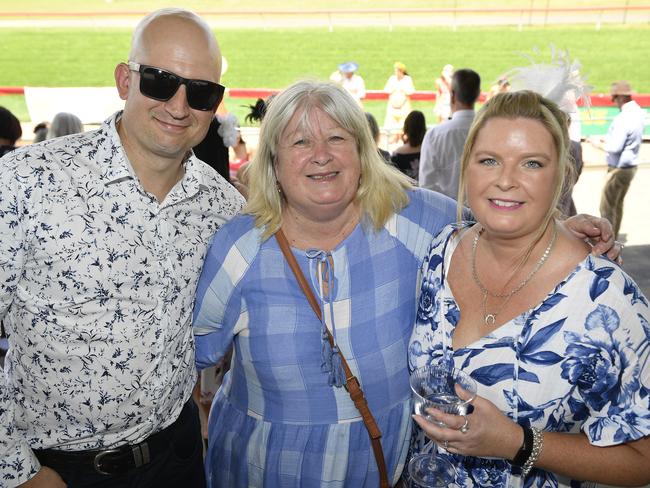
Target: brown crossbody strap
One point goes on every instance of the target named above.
(352, 384)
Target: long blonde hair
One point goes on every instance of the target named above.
(382, 188)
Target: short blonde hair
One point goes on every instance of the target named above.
(382, 188)
(530, 105)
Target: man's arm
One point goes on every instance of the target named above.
(616, 137)
(45, 478)
(17, 461)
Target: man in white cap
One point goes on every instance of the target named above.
(352, 83)
(103, 239)
(622, 144)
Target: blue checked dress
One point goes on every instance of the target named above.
(275, 421)
(578, 361)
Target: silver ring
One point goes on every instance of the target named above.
(620, 244)
(465, 427)
(446, 445)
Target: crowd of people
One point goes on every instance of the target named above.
(128, 264)
(63, 124)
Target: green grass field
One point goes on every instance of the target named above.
(274, 58)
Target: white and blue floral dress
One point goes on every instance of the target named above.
(578, 361)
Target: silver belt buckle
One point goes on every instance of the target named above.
(97, 462)
(141, 454)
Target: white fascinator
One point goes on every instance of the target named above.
(559, 80)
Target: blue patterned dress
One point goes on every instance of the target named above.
(276, 422)
(578, 361)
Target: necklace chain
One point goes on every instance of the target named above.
(490, 318)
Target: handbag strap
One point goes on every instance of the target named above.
(352, 383)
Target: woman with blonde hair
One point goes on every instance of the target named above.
(358, 231)
(555, 336)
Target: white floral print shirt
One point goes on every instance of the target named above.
(97, 282)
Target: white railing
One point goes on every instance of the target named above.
(455, 15)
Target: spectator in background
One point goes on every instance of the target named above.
(399, 88)
(442, 107)
(347, 77)
(502, 85)
(242, 157)
(622, 144)
(10, 131)
(40, 132)
(239, 156)
(407, 156)
(213, 149)
(376, 136)
(63, 124)
(443, 144)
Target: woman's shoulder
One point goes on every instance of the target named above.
(601, 288)
(606, 275)
(239, 224)
(422, 219)
(424, 201)
(240, 230)
(450, 233)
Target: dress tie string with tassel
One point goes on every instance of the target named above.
(330, 356)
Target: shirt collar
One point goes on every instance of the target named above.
(467, 112)
(631, 105)
(197, 174)
(116, 165)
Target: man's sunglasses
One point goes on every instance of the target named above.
(160, 84)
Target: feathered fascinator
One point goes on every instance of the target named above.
(228, 129)
(558, 80)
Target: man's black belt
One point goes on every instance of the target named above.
(116, 460)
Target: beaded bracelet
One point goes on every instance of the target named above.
(526, 448)
(538, 443)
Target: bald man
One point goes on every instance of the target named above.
(104, 235)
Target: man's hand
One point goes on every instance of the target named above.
(599, 232)
(45, 478)
(597, 142)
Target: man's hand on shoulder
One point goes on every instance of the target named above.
(45, 478)
(599, 232)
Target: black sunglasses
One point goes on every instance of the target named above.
(160, 84)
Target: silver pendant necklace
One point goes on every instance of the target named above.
(490, 318)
